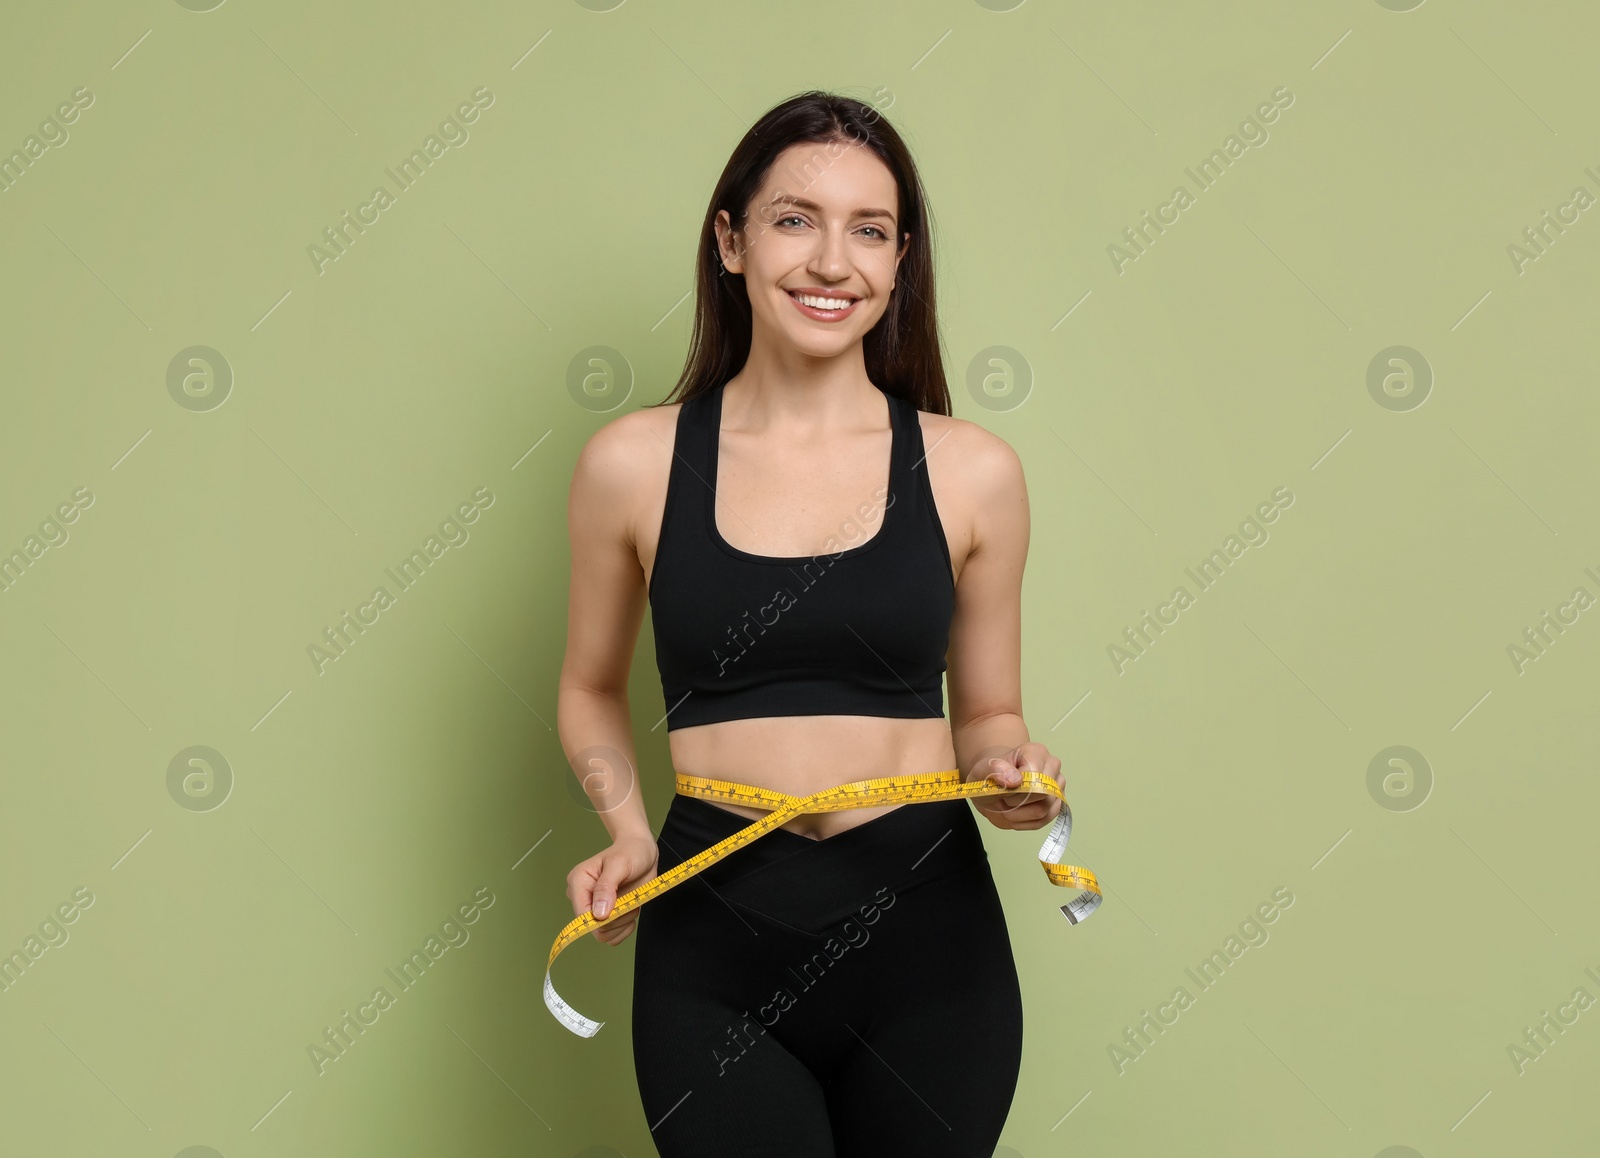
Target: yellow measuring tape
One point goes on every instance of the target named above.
(914, 789)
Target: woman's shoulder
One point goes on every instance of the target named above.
(648, 432)
(962, 447)
(630, 452)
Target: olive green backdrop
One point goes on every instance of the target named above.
(216, 441)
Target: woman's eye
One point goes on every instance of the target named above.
(877, 232)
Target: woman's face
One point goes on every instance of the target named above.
(823, 225)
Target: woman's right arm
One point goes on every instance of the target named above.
(605, 607)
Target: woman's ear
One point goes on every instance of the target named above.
(729, 250)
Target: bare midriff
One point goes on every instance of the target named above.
(799, 755)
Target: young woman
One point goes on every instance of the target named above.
(816, 536)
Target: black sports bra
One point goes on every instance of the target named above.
(859, 631)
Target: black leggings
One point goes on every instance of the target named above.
(828, 999)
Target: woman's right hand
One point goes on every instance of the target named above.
(593, 886)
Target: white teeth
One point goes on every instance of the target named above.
(821, 303)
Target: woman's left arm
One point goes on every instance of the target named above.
(984, 674)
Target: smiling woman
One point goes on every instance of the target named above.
(813, 391)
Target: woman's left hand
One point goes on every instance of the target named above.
(1018, 810)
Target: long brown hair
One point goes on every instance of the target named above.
(901, 352)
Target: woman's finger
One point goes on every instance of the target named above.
(612, 934)
(1030, 815)
(1003, 804)
(1010, 803)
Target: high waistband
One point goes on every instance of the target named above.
(811, 885)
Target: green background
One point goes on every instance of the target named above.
(1153, 409)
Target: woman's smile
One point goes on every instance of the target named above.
(823, 307)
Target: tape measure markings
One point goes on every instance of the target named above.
(915, 788)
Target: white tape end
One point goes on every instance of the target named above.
(1078, 909)
(565, 1014)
